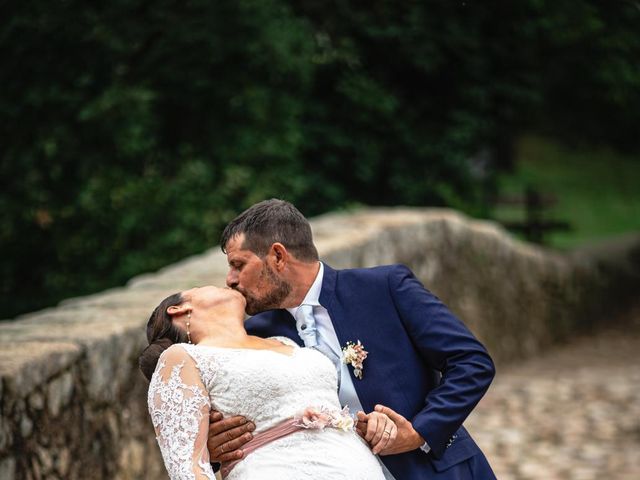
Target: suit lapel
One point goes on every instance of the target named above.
(329, 280)
(341, 313)
(328, 301)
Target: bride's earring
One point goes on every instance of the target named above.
(188, 324)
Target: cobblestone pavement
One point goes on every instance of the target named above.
(573, 413)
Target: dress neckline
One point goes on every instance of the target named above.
(240, 349)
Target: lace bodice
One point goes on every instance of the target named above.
(267, 388)
(254, 383)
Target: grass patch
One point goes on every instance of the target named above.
(597, 190)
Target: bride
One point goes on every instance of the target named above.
(200, 358)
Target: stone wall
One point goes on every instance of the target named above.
(73, 404)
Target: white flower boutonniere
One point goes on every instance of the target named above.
(354, 354)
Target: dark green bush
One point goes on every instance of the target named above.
(132, 131)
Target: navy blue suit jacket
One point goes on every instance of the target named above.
(423, 362)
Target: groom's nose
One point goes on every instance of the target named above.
(232, 279)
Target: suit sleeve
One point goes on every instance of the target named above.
(448, 346)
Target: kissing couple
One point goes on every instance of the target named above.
(268, 397)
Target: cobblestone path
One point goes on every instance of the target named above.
(573, 413)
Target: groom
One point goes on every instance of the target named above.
(424, 368)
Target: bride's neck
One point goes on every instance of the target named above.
(220, 331)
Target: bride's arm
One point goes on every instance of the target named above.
(179, 407)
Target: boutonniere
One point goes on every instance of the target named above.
(354, 354)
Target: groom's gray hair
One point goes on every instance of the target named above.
(271, 221)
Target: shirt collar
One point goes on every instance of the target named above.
(313, 295)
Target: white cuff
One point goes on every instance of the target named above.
(425, 448)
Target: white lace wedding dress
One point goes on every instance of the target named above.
(266, 387)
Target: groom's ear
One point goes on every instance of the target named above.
(280, 255)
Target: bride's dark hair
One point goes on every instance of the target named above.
(161, 334)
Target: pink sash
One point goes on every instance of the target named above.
(281, 430)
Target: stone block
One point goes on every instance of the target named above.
(62, 462)
(26, 365)
(8, 468)
(26, 426)
(59, 393)
(132, 460)
(46, 461)
(110, 362)
(6, 436)
(36, 401)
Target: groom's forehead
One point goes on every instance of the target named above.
(236, 249)
(235, 243)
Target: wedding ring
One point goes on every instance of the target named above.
(387, 432)
(222, 448)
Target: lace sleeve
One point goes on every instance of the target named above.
(179, 407)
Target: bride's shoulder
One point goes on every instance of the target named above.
(176, 353)
(285, 340)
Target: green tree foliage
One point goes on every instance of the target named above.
(589, 68)
(132, 130)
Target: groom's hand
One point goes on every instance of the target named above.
(377, 429)
(407, 438)
(227, 436)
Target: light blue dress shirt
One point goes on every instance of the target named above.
(326, 335)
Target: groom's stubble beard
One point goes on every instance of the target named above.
(272, 299)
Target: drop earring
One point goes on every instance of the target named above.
(188, 324)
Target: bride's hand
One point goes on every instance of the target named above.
(378, 430)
